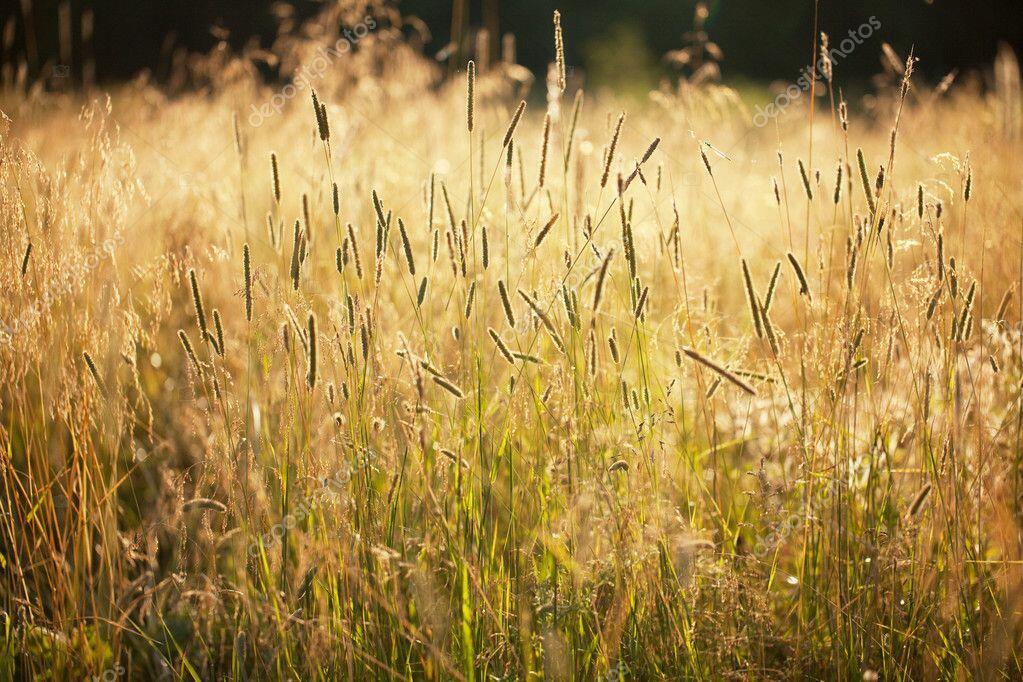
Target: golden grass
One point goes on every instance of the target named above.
(378, 464)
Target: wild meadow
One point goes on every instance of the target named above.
(408, 371)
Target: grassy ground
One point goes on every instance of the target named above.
(730, 420)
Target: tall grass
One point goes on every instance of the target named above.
(658, 410)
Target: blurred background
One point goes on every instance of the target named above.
(107, 41)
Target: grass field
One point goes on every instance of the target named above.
(414, 387)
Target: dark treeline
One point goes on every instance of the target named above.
(760, 39)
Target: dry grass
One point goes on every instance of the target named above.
(583, 445)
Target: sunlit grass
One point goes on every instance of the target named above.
(635, 463)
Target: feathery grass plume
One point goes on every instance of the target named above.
(339, 258)
(501, 346)
(378, 207)
(576, 109)
(276, 177)
(200, 313)
(713, 388)
(508, 198)
(469, 299)
(325, 133)
(706, 161)
(751, 299)
(350, 309)
(968, 189)
(804, 288)
(1003, 305)
(838, 183)
(918, 501)
(470, 95)
(92, 369)
(509, 313)
(337, 201)
(568, 298)
(421, 294)
(24, 261)
(843, 115)
(247, 270)
(953, 277)
(305, 216)
(771, 287)
(638, 312)
(544, 319)
(559, 51)
(455, 459)
(879, 182)
(379, 240)
(777, 193)
(218, 327)
(940, 254)
(806, 180)
(598, 290)
(296, 257)
(407, 247)
(187, 345)
(204, 504)
(311, 374)
(646, 157)
(460, 243)
(543, 148)
(713, 366)
(612, 345)
(994, 364)
(825, 63)
(514, 124)
(448, 386)
(354, 245)
(611, 150)
(317, 112)
(447, 203)
(618, 465)
(933, 304)
(546, 228)
(920, 201)
(754, 375)
(628, 245)
(866, 181)
(485, 246)
(965, 325)
(364, 339)
(850, 272)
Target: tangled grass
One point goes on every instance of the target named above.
(462, 392)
